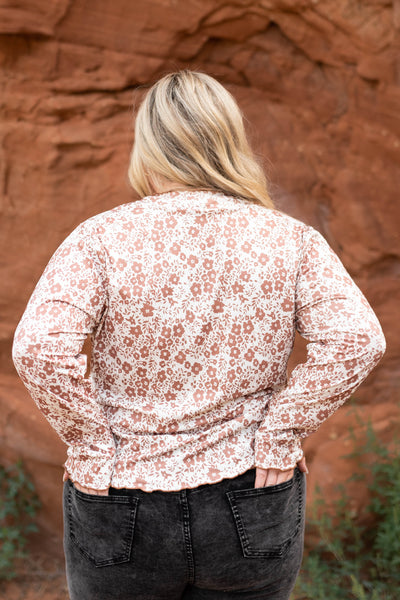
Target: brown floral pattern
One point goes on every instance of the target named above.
(192, 300)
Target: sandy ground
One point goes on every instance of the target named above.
(39, 577)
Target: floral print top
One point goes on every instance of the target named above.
(191, 299)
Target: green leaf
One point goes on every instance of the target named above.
(18, 506)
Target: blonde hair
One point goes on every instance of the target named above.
(189, 130)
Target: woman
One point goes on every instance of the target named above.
(185, 475)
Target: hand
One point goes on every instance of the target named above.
(92, 491)
(265, 477)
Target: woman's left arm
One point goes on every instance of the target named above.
(345, 342)
(67, 304)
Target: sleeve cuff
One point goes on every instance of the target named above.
(277, 450)
(92, 472)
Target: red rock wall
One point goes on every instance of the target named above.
(318, 81)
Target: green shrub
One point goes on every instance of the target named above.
(354, 560)
(18, 506)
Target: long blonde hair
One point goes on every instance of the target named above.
(189, 129)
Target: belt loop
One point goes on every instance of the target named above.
(187, 534)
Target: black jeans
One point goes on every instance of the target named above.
(219, 541)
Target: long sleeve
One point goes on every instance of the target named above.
(68, 304)
(345, 342)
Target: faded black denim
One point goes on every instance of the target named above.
(217, 541)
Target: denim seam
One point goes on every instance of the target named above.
(220, 484)
(187, 535)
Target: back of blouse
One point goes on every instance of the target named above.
(192, 300)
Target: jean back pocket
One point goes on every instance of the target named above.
(101, 527)
(268, 519)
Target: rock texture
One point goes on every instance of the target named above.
(319, 84)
